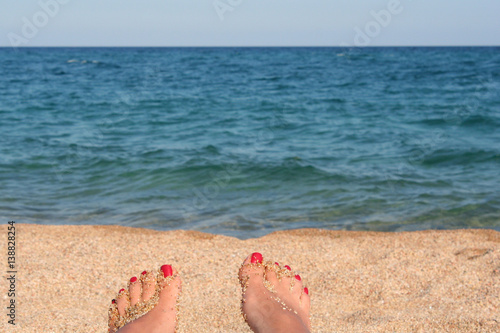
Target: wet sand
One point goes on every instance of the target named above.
(429, 281)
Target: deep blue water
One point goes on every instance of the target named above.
(245, 141)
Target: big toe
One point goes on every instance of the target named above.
(252, 271)
(169, 298)
(171, 288)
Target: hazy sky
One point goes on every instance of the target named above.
(248, 22)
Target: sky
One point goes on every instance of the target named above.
(249, 22)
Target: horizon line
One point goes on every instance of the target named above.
(242, 46)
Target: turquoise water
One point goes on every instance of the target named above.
(245, 141)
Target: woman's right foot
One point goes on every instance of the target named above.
(273, 298)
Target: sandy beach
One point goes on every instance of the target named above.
(428, 281)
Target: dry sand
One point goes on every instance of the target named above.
(430, 281)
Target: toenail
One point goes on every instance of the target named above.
(276, 263)
(167, 270)
(306, 291)
(113, 301)
(298, 277)
(256, 258)
(288, 267)
(132, 280)
(144, 273)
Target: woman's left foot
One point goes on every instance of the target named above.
(149, 304)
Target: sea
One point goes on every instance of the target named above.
(247, 141)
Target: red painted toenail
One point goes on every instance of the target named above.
(121, 290)
(144, 273)
(113, 301)
(298, 277)
(306, 291)
(288, 267)
(132, 280)
(167, 270)
(276, 263)
(256, 258)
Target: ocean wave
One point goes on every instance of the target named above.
(100, 64)
(481, 121)
(459, 157)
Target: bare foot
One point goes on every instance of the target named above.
(273, 298)
(149, 305)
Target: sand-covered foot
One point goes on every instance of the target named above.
(273, 297)
(148, 304)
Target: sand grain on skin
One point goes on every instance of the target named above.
(429, 281)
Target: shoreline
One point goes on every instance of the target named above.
(443, 281)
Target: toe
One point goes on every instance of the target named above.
(134, 291)
(252, 271)
(271, 275)
(305, 299)
(112, 317)
(148, 281)
(297, 287)
(305, 305)
(285, 279)
(171, 291)
(122, 301)
(169, 296)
